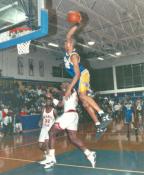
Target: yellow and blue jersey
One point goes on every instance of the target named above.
(83, 83)
(69, 65)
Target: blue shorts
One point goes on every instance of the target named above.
(128, 118)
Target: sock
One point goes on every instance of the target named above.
(52, 155)
(101, 112)
(87, 152)
(97, 123)
(52, 152)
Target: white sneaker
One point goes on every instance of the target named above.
(106, 117)
(92, 158)
(48, 160)
(49, 165)
(53, 159)
(43, 162)
(101, 130)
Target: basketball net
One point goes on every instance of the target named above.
(22, 48)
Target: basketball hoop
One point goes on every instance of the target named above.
(23, 48)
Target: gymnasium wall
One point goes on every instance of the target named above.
(123, 60)
(37, 65)
(118, 75)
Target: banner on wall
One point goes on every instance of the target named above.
(31, 67)
(41, 68)
(20, 65)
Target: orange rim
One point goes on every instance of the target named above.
(19, 29)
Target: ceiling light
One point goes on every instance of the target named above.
(53, 44)
(112, 55)
(91, 43)
(83, 45)
(100, 58)
(118, 53)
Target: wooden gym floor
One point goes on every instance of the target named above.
(117, 154)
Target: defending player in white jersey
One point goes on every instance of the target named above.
(68, 121)
(48, 119)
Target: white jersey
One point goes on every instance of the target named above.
(69, 119)
(48, 117)
(48, 121)
(71, 103)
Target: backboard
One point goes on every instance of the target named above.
(22, 13)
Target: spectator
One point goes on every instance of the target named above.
(139, 112)
(23, 111)
(7, 124)
(117, 112)
(128, 115)
(18, 125)
(1, 123)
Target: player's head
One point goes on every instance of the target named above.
(48, 99)
(64, 86)
(49, 102)
(69, 45)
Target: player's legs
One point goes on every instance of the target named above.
(79, 144)
(52, 135)
(88, 102)
(71, 125)
(51, 159)
(90, 111)
(72, 135)
(87, 99)
(44, 143)
(68, 120)
(84, 87)
(44, 146)
(43, 139)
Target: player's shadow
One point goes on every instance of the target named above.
(52, 15)
(84, 21)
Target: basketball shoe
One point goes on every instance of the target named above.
(48, 160)
(101, 130)
(49, 165)
(105, 117)
(51, 162)
(106, 120)
(92, 158)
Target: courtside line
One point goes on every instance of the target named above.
(79, 166)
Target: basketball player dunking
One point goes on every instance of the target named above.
(80, 78)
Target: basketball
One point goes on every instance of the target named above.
(74, 17)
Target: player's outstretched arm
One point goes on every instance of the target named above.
(72, 31)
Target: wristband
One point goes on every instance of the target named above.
(55, 102)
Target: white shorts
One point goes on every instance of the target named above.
(44, 134)
(68, 120)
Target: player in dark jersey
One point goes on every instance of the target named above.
(81, 79)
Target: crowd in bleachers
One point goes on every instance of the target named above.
(19, 101)
(126, 110)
